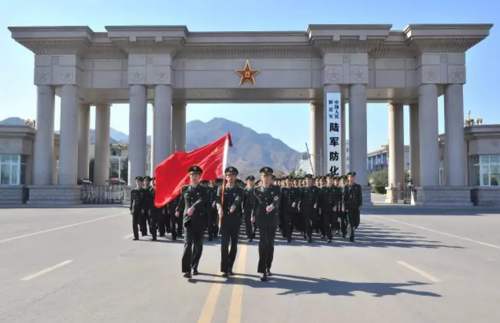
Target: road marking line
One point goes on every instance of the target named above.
(57, 228)
(234, 315)
(47, 270)
(207, 313)
(486, 244)
(419, 271)
(128, 236)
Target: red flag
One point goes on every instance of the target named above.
(171, 174)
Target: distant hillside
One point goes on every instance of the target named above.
(250, 151)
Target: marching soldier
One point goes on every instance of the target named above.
(248, 206)
(309, 207)
(266, 216)
(289, 203)
(327, 205)
(193, 205)
(353, 200)
(230, 208)
(338, 205)
(174, 221)
(148, 205)
(136, 197)
(213, 229)
(155, 214)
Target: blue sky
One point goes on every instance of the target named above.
(288, 122)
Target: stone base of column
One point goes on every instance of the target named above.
(392, 195)
(11, 195)
(57, 195)
(486, 196)
(442, 196)
(367, 196)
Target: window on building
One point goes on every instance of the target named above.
(485, 170)
(10, 169)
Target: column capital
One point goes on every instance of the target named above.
(150, 69)
(57, 69)
(441, 68)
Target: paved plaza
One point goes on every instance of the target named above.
(407, 265)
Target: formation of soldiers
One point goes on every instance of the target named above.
(328, 205)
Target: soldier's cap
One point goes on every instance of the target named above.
(308, 176)
(231, 170)
(195, 169)
(138, 178)
(147, 178)
(266, 170)
(351, 174)
(250, 178)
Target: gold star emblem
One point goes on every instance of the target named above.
(247, 74)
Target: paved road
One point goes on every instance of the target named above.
(81, 265)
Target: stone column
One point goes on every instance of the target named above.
(414, 146)
(358, 132)
(396, 152)
(320, 138)
(428, 135)
(454, 135)
(342, 136)
(68, 144)
(162, 124)
(137, 132)
(179, 126)
(101, 160)
(316, 132)
(43, 160)
(83, 141)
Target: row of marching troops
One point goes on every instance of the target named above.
(327, 205)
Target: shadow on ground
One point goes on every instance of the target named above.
(300, 285)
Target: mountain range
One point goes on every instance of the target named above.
(250, 150)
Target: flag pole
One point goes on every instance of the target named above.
(224, 163)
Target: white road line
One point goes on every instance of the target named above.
(47, 270)
(128, 236)
(486, 244)
(419, 271)
(57, 228)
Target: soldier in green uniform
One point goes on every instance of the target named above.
(266, 216)
(337, 209)
(248, 206)
(326, 204)
(353, 199)
(309, 206)
(230, 209)
(136, 198)
(289, 204)
(213, 229)
(193, 205)
(148, 204)
(175, 221)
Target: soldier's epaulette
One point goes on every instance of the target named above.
(184, 188)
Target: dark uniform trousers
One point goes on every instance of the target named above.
(136, 196)
(249, 226)
(193, 247)
(266, 247)
(229, 246)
